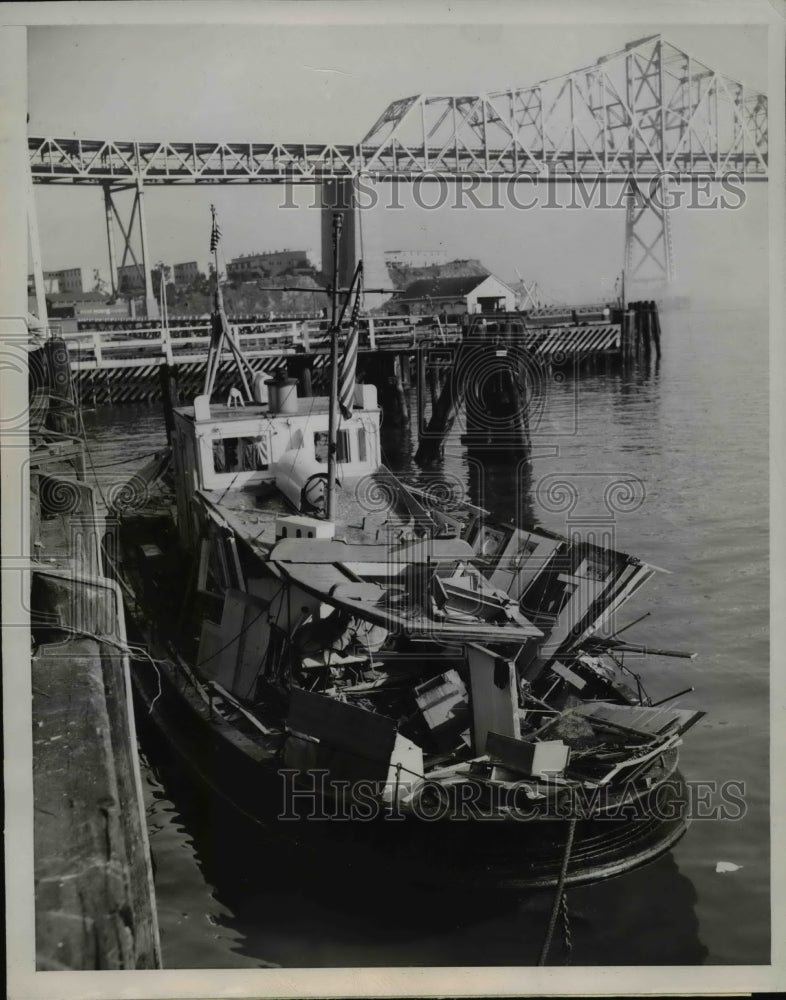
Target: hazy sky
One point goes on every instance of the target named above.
(275, 83)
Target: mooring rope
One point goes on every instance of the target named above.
(568, 936)
(558, 895)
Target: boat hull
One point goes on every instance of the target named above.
(483, 854)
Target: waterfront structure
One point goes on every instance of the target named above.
(270, 264)
(70, 279)
(93, 876)
(65, 280)
(461, 295)
(416, 258)
(84, 305)
(51, 282)
(186, 273)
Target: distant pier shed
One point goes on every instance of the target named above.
(455, 296)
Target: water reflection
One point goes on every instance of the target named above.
(503, 489)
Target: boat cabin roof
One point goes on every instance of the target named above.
(307, 406)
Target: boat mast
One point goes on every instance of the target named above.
(221, 331)
(333, 411)
(164, 307)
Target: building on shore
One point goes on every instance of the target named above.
(454, 296)
(271, 264)
(186, 274)
(416, 258)
(83, 305)
(68, 279)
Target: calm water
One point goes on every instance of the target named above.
(690, 440)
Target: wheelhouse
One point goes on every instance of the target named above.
(245, 447)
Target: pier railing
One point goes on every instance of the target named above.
(157, 345)
(574, 332)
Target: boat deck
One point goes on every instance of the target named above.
(253, 513)
(379, 550)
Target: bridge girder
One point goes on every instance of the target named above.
(650, 111)
(646, 110)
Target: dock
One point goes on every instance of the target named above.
(94, 896)
(122, 362)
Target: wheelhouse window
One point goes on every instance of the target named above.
(342, 446)
(240, 454)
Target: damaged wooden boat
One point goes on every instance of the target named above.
(334, 644)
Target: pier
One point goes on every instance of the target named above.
(481, 366)
(95, 904)
(115, 365)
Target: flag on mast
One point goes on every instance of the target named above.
(346, 388)
(215, 232)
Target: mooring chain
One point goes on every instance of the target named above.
(559, 894)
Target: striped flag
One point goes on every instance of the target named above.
(215, 232)
(346, 386)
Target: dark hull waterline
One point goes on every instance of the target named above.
(514, 854)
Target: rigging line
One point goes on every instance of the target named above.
(90, 459)
(47, 432)
(231, 484)
(134, 651)
(158, 677)
(359, 209)
(259, 673)
(120, 578)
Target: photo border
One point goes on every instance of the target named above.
(23, 982)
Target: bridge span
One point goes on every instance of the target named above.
(649, 112)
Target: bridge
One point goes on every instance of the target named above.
(649, 112)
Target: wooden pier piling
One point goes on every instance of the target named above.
(400, 367)
(643, 330)
(387, 372)
(435, 382)
(487, 375)
(496, 408)
(169, 397)
(646, 331)
(431, 441)
(655, 329)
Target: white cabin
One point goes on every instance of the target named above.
(281, 443)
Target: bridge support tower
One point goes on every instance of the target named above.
(649, 252)
(134, 232)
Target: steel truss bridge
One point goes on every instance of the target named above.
(650, 112)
